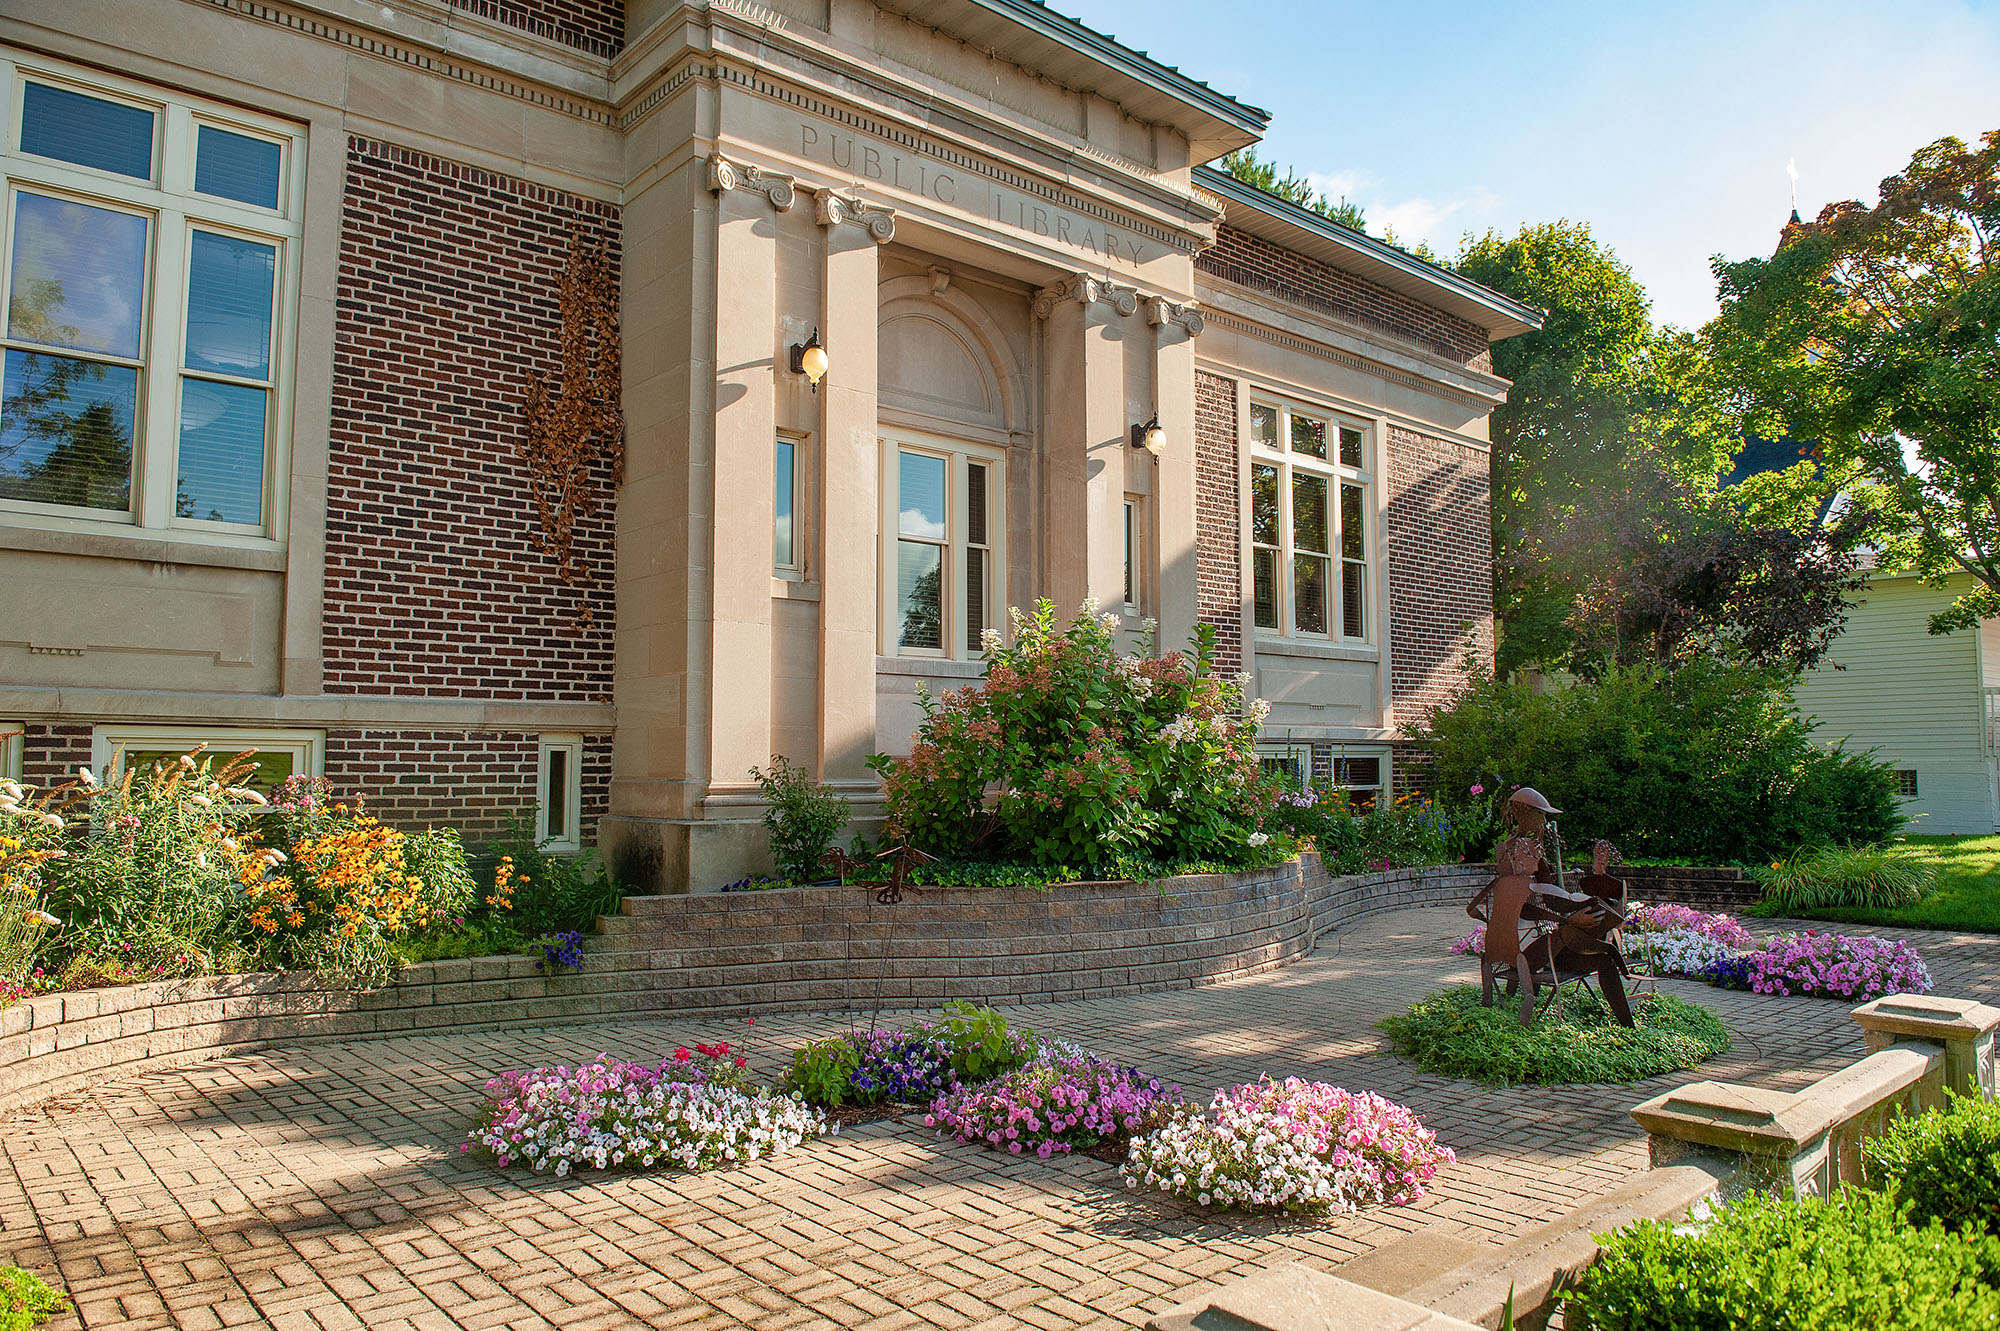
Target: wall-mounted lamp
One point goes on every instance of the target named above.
(1150, 437)
(809, 359)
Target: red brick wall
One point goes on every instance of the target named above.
(596, 26)
(475, 781)
(51, 752)
(1254, 262)
(448, 299)
(1218, 544)
(1440, 566)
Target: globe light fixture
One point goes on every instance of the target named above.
(1150, 437)
(809, 359)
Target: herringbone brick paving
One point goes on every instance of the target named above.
(321, 1186)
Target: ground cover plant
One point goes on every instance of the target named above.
(1450, 1033)
(1858, 1260)
(1870, 877)
(1292, 1145)
(1708, 761)
(1056, 1104)
(1944, 1164)
(1964, 894)
(697, 1110)
(1069, 754)
(1816, 965)
(26, 1300)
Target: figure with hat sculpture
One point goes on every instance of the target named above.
(1540, 931)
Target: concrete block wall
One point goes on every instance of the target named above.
(830, 948)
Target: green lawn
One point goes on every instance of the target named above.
(1967, 895)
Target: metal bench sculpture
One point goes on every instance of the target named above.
(1541, 934)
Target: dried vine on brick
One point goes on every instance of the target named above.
(575, 435)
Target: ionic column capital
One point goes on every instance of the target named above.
(1085, 290)
(724, 175)
(1160, 310)
(831, 209)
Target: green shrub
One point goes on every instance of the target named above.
(1944, 1164)
(1846, 876)
(436, 856)
(1710, 762)
(803, 818)
(1451, 1034)
(1070, 754)
(546, 893)
(982, 1045)
(26, 1300)
(1816, 1265)
(822, 1072)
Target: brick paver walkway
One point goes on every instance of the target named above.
(322, 1185)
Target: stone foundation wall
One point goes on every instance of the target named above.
(832, 948)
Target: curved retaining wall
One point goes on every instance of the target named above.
(828, 948)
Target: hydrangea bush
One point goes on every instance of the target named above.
(1294, 1145)
(689, 1111)
(1672, 917)
(1053, 1107)
(1071, 754)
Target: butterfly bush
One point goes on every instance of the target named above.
(694, 1112)
(1835, 966)
(1672, 917)
(1053, 1107)
(1677, 952)
(1295, 1145)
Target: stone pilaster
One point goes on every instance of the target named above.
(850, 518)
(1175, 327)
(1085, 437)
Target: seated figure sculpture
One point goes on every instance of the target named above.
(1540, 933)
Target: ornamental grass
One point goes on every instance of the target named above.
(1450, 1033)
(1293, 1145)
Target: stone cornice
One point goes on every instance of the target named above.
(831, 209)
(723, 175)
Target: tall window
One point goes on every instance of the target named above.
(942, 527)
(559, 793)
(1309, 546)
(1136, 592)
(149, 259)
(787, 553)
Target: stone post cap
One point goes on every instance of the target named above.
(1293, 1297)
(1927, 1016)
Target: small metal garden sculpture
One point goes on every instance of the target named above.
(1541, 933)
(901, 859)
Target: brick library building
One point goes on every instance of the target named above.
(566, 405)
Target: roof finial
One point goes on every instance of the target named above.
(1792, 170)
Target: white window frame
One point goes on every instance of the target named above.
(959, 454)
(1138, 555)
(1279, 456)
(307, 748)
(1385, 776)
(13, 749)
(797, 570)
(175, 212)
(572, 796)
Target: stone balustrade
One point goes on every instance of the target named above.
(1808, 1142)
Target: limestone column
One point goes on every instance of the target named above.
(1175, 327)
(746, 303)
(1084, 438)
(850, 517)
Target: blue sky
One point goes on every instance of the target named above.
(1665, 126)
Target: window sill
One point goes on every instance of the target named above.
(932, 666)
(794, 589)
(150, 547)
(1315, 651)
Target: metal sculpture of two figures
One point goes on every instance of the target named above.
(1541, 932)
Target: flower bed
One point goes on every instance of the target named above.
(1678, 952)
(1817, 965)
(1292, 1145)
(1054, 1106)
(1450, 1033)
(694, 1111)
(912, 1064)
(1670, 917)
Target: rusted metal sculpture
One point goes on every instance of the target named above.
(1542, 933)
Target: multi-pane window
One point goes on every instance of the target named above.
(942, 526)
(149, 258)
(1308, 523)
(1362, 776)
